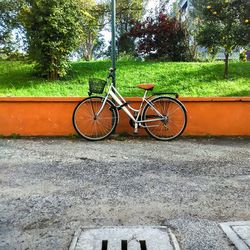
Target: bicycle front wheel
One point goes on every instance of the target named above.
(167, 118)
(92, 124)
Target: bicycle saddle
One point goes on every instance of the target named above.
(146, 86)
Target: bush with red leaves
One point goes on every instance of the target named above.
(160, 38)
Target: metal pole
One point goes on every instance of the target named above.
(113, 43)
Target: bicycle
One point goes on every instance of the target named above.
(96, 117)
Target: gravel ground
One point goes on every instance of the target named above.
(49, 187)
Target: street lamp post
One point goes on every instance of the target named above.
(113, 43)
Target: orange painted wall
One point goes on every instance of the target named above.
(52, 116)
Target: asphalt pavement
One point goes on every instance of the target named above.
(50, 187)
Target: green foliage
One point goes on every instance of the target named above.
(53, 32)
(6, 45)
(126, 45)
(8, 22)
(92, 21)
(16, 56)
(223, 23)
(243, 55)
(128, 11)
(188, 79)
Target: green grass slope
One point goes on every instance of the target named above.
(188, 79)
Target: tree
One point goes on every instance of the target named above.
(224, 23)
(128, 11)
(126, 44)
(53, 32)
(99, 49)
(161, 38)
(97, 15)
(92, 21)
(8, 22)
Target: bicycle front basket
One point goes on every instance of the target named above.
(96, 85)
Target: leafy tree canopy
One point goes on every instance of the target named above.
(224, 23)
(161, 38)
(8, 22)
(53, 32)
(92, 21)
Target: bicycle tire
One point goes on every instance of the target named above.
(88, 125)
(175, 116)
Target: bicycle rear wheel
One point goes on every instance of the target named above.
(171, 115)
(88, 124)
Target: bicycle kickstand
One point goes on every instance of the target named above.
(136, 128)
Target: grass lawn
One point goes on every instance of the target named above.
(188, 79)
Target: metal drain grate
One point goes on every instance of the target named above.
(122, 238)
(124, 245)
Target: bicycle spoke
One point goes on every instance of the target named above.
(103, 126)
(165, 110)
(89, 125)
(174, 118)
(174, 111)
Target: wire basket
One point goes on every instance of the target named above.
(96, 85)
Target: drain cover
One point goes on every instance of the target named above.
(122, 238)
(238, 232)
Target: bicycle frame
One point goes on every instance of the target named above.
(117, 97)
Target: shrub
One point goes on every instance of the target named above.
(161, 38)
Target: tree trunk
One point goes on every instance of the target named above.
(53, 73)
(87, 57)
(88, 47)
(226, 64)
(88, 52)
